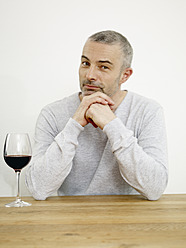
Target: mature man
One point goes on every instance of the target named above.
(103, 140)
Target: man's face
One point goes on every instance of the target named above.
(100, 68)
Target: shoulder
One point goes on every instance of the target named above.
(57, 114)
(142, 103)
(62, 105)
(69, 100)
(146, 112)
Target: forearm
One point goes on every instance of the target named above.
(142, 166)
(51, 165)
(144, 173)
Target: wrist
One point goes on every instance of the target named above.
(79, 121)
(107, 122)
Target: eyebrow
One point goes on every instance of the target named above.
(84, 57)
(105, 61)
(100, 61)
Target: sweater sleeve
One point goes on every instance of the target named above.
(52, 156)
(143, 160)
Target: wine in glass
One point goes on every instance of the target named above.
(17, 154)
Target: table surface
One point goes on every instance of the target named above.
(95, 221)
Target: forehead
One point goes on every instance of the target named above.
(98, 51)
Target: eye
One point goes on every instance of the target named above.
(85, 63)
(104, 67)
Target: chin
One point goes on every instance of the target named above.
(89, 92)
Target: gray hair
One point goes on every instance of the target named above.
(112, 38)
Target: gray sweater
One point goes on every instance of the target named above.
(129, 156)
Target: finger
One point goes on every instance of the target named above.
(99, 100)
(107, 99)
(102, 96)
(91, 121)
(111, 107)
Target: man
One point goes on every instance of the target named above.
(102, 140)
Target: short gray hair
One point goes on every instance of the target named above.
(112, 38)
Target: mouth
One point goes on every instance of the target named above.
(91, 87)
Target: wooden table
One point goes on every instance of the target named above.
(95, 221)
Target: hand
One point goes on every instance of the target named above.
(87, 101)
(100, 114)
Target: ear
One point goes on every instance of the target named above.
(126, 74)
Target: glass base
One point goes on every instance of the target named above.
(18, 203)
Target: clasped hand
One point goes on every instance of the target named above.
(96, 109)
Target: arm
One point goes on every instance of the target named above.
(53, 151)
(143, 160)
(52, 156)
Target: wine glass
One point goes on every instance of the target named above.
(17, 154)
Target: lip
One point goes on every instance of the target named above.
(91, 87)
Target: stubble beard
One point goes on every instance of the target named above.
(86, 92)
(101, 87)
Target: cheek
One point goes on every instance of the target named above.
(81, 76)
(80, 71)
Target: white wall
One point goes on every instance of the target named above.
(40, 48)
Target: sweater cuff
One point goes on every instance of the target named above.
(118, 135)
(70, 133)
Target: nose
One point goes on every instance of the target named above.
(91, 73)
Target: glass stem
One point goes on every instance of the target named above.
(18, 185)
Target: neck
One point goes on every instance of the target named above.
(118, 98)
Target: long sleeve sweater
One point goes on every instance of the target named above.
(129, 156)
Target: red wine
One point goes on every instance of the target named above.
(17, 162)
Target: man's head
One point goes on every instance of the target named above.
(114, 38)
(105, 63)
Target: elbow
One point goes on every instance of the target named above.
(153, 197)
(156, 185)
(155, 191)
(36, 194)
(39, 197)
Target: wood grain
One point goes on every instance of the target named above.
(95, 221)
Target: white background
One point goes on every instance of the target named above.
(40, 48)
